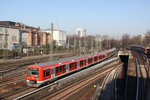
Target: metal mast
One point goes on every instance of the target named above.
(74, 45)
(20, 38)
(97, 45)
(5, 44)
(68, 46)
(51, 43)
(92, 46)
(85, 45)
(80, 46)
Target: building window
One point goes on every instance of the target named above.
(14, 38)
(1, 29)
(0, 45)
(1, 36)
(79, 33)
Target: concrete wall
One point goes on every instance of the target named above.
(25, 37)
(12, 37)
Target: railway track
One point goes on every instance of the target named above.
(17, 93)
(19, 63)
(16, 71)
(65, 93)
(57, 85)
(142, 76)
(13, 79)
(108, 86)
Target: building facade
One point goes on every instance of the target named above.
(9, 35)
(79, 32)
(15, 34)
(58, 35)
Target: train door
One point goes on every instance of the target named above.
(52, 72)
(46, 74)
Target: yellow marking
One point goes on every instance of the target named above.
(95, 86)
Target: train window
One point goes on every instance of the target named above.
(95, 58)
(44, 73)
(57, 69)
(47, 72)
(90, 60)
(64, 68)
(85, 61)
(75, 64)
(80, 63)
(60, 68)
(33, 72)
(70, 66)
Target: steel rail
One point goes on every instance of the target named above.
(137, 86)
(44, 87)
(126, 89)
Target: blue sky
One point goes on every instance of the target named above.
(110, 17)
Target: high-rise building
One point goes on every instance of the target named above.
(79, 32)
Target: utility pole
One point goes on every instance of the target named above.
(74, 45)
(20, 39)
(100, 44)
(51, 43)
(97, 45)
(5, 44)
(92, 46)
(57, 47)
(68, 46)
(85, 43)
(80, 46)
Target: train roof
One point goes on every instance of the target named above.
(68, 59)
(142, 46)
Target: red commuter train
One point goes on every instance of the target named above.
(47, 72)
(141, 48)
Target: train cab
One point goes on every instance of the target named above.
(33, 75)
(147, 50)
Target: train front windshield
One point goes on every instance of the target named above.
(33, 72)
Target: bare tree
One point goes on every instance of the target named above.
(125, 40)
